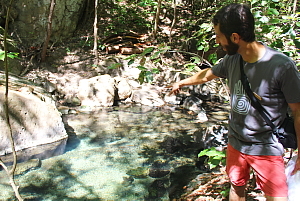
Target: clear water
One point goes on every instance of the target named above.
(120, 153)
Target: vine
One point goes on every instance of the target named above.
(10, 172)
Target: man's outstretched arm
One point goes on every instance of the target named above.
(200, 77)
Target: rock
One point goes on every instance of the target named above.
(147, 96)
(213, 136)
(139, 172)
(26, 166)
(23, 168)
(174, 100)
(124, 88)
(24, 22)
(97, 91)
(63, 109)
(73, 101)
(172, 145)
(34, 118)
(193, 103)
(158, 190)
(159, 169)
(202, 117)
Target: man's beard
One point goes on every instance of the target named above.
(231, 48)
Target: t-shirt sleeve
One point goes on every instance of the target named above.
(220, 69)
(290, 80)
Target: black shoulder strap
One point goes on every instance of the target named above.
(254, 101)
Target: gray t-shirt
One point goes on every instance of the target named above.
(276, 79)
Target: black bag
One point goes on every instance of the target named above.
(285, 133)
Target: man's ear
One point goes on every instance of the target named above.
(235, 38)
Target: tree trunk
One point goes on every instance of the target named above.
(49, 29)
(174, 20)
(96, 33)
(157, 18)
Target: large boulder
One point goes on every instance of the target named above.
(97, 91)
(30, 20)
(33, 117)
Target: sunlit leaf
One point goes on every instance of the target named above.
(131, 61)
(142, 68)
(148, 50)
(2, 56)
(149, 76)
(141, 78)
(264, 19)
(143, 61)
(273, 11)
(197, 60)
(292, 33)
(257, 14)
(155, 70)
(264, 2)
(114, 66)
(131, 57)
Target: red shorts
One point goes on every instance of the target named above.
(269, 170)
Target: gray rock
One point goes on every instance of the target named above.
(30, 26)
(124, 88)
(147, 96)
(97, 91)
(193, 103)
(34, 118)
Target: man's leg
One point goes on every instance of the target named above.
(237, 193)
(270, 176)
(238, 171)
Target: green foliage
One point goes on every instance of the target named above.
(153, 55)
(12, 55)
(277, 25)
(215, 157)
(124, 16)
(114, 66)
(146, 3)
(225, 192)
(189, 67)
(204, 35)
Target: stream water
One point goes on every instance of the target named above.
(120, 153)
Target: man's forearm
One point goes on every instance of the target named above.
(198, 78)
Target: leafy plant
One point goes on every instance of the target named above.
(153, 54)
(277, 24)
(11, 55)
(215, 157)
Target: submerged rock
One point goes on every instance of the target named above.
(26, 166)
(138, 173)
(159, 169)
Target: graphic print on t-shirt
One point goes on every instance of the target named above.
(240, 102)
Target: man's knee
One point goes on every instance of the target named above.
(238, 190)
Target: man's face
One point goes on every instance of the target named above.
(227, 45)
